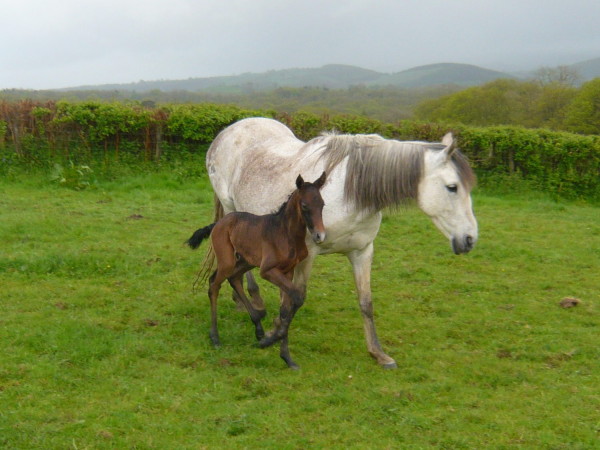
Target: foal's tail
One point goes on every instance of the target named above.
(199, 235)
(209, 258)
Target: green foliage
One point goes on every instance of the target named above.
(385, 103)
(583, 115)
(564, 164)
(202, 123)
(306, 125)
(356, 125)
(99, 121)
(3, 130)
(503, 102)
(73, 176)
(83, 130)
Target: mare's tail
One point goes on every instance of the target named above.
(199, 235)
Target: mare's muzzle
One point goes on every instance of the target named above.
(463, 245)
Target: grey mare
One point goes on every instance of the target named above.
(250, 162)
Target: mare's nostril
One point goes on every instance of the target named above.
(469, 241)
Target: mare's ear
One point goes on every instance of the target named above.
(321, 180)
(299, 181)
(450, 143)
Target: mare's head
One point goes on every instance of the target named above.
(311, 206)
(444, 194)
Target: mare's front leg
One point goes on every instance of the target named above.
(361, 264)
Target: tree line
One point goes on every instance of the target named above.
(388, 104)
(556, 105)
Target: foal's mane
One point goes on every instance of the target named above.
(279, 211)
(383, 173)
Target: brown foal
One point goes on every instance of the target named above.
(276, 244)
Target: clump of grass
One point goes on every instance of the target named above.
(73, 176)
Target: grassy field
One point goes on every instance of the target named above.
(104, 344)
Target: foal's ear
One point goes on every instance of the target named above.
(321, 180)
(299, 181)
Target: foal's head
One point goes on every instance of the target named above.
(311, 206)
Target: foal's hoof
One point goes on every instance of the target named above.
(260, 334)
(290, 362)
(267, 341)
(215, 341)
(391, 365)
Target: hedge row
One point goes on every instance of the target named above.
(68, 130)
(564, 163)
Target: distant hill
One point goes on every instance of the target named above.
(332, 76)
(588, 69)
(441, 74)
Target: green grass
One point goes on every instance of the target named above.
(104, 344)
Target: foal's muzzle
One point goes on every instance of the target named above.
(463, 245)
(318, 236)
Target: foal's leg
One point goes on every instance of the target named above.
(290, 302)
(361, 264)
(301, 274)
(300, 281)
(226, 264)
(213, 294)
(256, 315)
(254, 291)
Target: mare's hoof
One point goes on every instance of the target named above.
(293, 366)
(391, 365)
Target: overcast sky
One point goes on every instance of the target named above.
(48, 44)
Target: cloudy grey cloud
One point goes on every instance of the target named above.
(52, 43)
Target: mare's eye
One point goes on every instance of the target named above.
(304, 206)
(452, 188)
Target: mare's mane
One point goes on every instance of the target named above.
(383, 173)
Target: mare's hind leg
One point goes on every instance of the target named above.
(256, 315)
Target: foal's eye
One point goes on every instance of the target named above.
(452, 188)
(304, 206)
